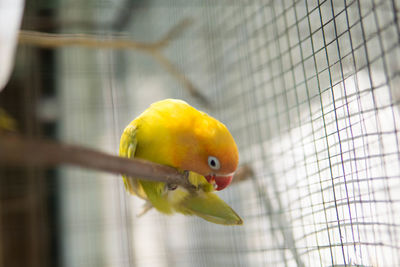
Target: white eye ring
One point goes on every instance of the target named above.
(213, 162)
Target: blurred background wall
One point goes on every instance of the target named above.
(309, 90)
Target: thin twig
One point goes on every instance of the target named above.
(53, 40)
(16, 150)
(174, 32)
(242, 174)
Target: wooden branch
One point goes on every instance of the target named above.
(243, 173)
(55, 40)
(174, 32)
(20, 151)
(16, 150)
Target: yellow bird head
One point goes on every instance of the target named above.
(204, 145)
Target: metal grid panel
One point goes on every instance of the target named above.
(316, 97)
(309, 89)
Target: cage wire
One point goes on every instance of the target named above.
(308, 89)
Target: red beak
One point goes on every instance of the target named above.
(220, 181)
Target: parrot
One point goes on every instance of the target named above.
(175, 134)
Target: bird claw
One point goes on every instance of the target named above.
(172, 187)
(146, 207)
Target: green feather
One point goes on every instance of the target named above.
(211, 208)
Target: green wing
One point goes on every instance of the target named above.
(127, 149)
(147, 190)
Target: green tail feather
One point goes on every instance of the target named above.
(211, 208)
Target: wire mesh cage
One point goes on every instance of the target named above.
(308, 89)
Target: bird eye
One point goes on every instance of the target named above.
(213, 162)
